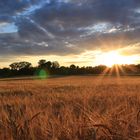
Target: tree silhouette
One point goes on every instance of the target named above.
(24, 65)
(72, 66)
(48, 64)
(14, 66)
(20, 65)
(41, 63)
(55, 65)
(44, 64)
(53, 68)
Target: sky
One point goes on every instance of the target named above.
(76, 32)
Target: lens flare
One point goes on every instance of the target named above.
(42, 74)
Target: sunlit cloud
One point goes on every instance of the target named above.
(96, 28)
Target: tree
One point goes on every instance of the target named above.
(20, 65)
(42, 63)
(24, 65)
(48, 64)
(55, 65)
(14, 66)
(72, 66)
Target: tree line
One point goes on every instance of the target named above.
(53, 68)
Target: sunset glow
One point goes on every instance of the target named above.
(79, 32)
(114, 57)
(69, 69)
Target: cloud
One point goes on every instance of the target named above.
(65, 27)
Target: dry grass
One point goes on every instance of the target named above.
(71, 108)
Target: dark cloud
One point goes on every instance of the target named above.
(86, 13)
(68, 26)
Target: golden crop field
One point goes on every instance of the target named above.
(70, 108)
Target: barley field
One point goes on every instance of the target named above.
(70, 108)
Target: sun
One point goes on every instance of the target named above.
(111, 58)
(114, 57)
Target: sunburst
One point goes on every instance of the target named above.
(115, 61)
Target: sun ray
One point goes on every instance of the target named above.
(116, 70)
(111, 71)
(121, 69)
(105, 71)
